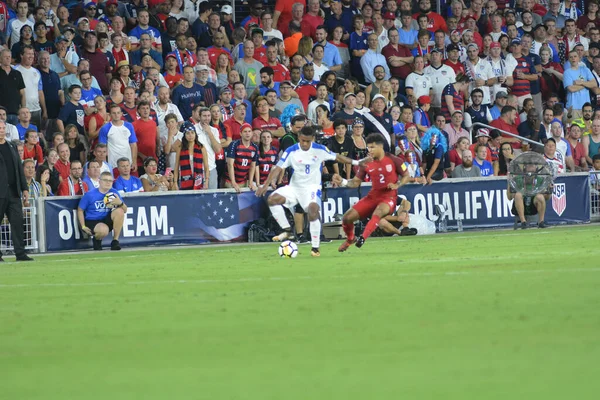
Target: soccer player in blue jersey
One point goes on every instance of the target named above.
(98, 219)
(305, 159)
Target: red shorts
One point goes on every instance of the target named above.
(368, 204)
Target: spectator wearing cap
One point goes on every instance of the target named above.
(477, 112)
(377, 120)
(224, 103)
(421, 114)
(577, 80)
(454, 128)
(453, 60)
(348, 113)
(522, 71)
(89, 9)
(499, 103)
(481, 139)
(286, 98)
(480, 72)
(64, 61)
(210, 89)
(172, 77)
(340, 143)
(541, 40)
(440, 76)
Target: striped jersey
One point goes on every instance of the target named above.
(243, 157)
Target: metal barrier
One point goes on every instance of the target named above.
(30, 232)
(595, 196)
(524, 139)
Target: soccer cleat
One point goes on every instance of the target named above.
(347, 243)
(282, 236)
(24, 257)
(542, 225)
(97, 244)
(1, 259)
(315, 252)
(523, 225)
(114, 245)
(360, 241)
(302, 239)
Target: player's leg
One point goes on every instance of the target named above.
(117, 217)
(314, 219)
(386, 225)
(540, 204)
(360, 210)
(519, 205)
(100, 232)
(276, 201)
(381, 211)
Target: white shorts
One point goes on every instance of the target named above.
(303, 196)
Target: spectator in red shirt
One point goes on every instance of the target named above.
(233, 126)
(146, 131)
(32, 149)
(63, 165)
(435, 20)
(266, 123)
(172, 77)
(283, 13)
(217, 49)
(312, 19)
(72, 185)
(398, 56)
(506, 123)
(280, 71)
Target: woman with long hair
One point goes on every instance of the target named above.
(152, 180)
(455, 155)
(216, 121)
(361, 99)
(305, 46)
(359, 148)
(148, 85)
(330, 80)
(191, 161)
(323, 120)
(351, 85)
(93, 122)
(25, 39)
(51, 160)
(75, 146)
(396, 124)
(42, 176)
(124, 73)
(267, 158)
(336, 40)
(386, 91)
(177, 9)
(505, 156)
(414, 143)
(222, 69)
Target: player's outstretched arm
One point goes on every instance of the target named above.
(274, 174)
(346, 160)
(341, 182)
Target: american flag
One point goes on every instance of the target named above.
(559, 198)
(225, 216)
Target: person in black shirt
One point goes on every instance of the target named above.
(342, 144)
(13, 186)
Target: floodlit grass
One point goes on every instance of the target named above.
(493, 315)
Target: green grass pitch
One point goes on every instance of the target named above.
(492, 315)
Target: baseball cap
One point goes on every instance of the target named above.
(389, 15)
(70, 29)
(455, 31)
(286, 83)
(225, 90)
(378, 96)
(258, 30)
(83, 19)
(90, 4)
(495, 45)
(424, 100)
(409, 125)
(226, 10)
(199, 68)
(60, 39)
(358, 121)
(509, 11)
(435, 50)
(483, 132)
(501, 95)
(170, 55)
(472, 45)
(348, 95)
(245, 125)
(111, 3)
(516, 41)
(595, 46)
(538, 26)
(452, 47)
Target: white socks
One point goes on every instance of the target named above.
(279, 215)
(315, 233)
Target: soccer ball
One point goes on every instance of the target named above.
(288, 249)
(108, 198)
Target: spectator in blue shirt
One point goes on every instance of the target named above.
(480, 160)
(126, 183)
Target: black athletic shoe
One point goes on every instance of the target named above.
(523, 225)
(24, 257)
(359, 241)
(114, 245)
(406, 231)
(302, 240)
(97, 244)
(1, 259)
(325, 240)
(542, 225)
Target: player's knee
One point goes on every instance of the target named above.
(100, 231)
(518, 196)
(275, 200)
(117, 214)
(313, 212)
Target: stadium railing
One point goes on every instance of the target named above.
(30, 232)
(595, 196)
(524, 139)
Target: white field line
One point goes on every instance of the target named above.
(300, 278)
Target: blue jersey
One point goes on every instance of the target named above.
(92, 204)
(485, 167)
(133, 184)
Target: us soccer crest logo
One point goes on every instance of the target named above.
(559, 198)
(388, 168)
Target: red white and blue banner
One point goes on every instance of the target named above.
(195, 218)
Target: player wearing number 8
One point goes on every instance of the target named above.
(384, 171)
(305, 159)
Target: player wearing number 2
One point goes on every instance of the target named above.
(384, 171)
(305, 159)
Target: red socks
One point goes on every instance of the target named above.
(371, 226)
(349, 230)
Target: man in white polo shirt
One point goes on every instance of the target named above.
(120, 138)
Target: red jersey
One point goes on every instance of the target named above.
(383, 172)
(64, 169)
(173, 80)
(35, 153)
(435, 21)
(260, 55)
(266, 161)
(457, 66)
(243, 158)
(267, 125)
(145, 131)
(70, 188)
(233, 129)
(305, 93)
(281, 73)
(215, 52)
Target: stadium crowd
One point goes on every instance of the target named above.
(177, 95)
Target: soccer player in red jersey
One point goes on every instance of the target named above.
(384, 171)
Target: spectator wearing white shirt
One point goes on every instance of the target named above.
(33, 86)
(372, 59)
(322, 95)
(418, 83)
(120, 138)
